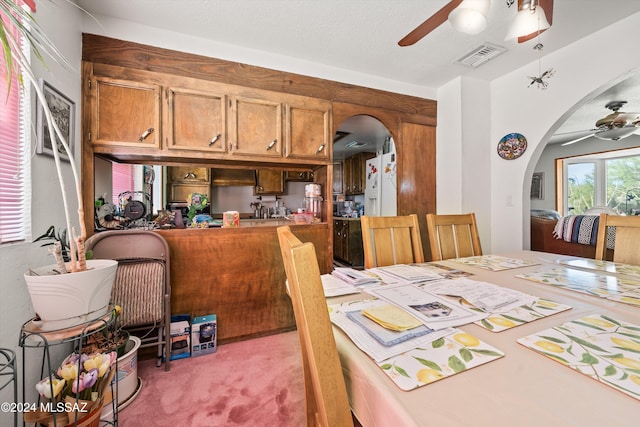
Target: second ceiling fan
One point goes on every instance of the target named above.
(470, 16)
(614, 126)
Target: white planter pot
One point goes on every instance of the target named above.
(129, 384)
(66, 300)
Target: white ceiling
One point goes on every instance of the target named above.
(361, 36)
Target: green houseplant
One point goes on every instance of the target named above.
(17, 64)
(59, 299)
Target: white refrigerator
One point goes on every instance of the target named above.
(380, 190)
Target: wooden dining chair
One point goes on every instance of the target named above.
(453, 236)
(326, 397)
(390, 240)
(627, 236)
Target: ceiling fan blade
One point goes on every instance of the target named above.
(578, 139)
(430, 24)
(547, 6)
(571, 137)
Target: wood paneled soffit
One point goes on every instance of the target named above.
(99, 49)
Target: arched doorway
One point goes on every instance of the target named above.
(364, 156)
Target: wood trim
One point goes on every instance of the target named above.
(106, 50)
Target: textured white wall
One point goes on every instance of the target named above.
(61, 22)
(537, 114)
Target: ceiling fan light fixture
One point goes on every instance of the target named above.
(528, 22)
(616, 133)
(470, 17)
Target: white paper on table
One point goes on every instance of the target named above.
(355, 277)
(365, 342)
(334, 287)
(485, 296)
(410, 274)
(434, 311)
(386, 278)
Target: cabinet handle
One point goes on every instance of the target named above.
(145, 134)
(320, 149)
(214, 139)
(190, 175)
(270, 146)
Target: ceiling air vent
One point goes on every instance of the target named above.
(356, 144)
(481, 54)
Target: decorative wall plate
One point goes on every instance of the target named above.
(512, 146)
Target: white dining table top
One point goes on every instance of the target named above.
(523, 388)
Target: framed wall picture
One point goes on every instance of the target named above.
(537, 186)
(63, 112)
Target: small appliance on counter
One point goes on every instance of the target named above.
(313, 199)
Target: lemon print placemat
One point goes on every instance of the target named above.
(604, 266)
(610, 287)
(450, 355)
(538, 309)
(494, 262)
(601, 347)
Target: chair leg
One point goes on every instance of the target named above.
(159, 361)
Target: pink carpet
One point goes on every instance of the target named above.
(257, 382)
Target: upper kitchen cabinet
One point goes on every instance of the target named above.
(255, 127)
(308, 128)
(269, 182)
(196, 120)
(124, 113)
(188, 174)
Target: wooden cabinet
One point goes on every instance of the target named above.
(188, 174)
(269, 181)
(347, 241)
(355, 173)
(184, 180)
(124, 113)
(197, 120)
(337, 178)
(300, 176)
(308, 126)
(256, 127)
(226, 177)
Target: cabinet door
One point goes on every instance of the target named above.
(256, 128)
(355, 248)
(125, 113)
(298, 176)
(196, 121)
(347, 174)
(337, 178)
(188, 174)
(338, 240)
(307, 127)
(269, 182)
(180, 192)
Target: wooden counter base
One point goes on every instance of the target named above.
(237, 274)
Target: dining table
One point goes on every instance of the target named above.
(522, 388)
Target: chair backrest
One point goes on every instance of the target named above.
(326, 394)
(627, 236)
(390, 240)
(453, 236)
(142, 278)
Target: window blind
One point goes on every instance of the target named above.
(15, 176)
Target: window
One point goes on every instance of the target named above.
(610, 179)
(15, 172)
(580, 187)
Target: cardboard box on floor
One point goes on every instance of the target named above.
(180, 336)
(204, 337)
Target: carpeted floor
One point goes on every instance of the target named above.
(253, 383)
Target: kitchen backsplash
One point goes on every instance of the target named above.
(239, 198)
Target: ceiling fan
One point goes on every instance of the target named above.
(613, 127)
(469, 16)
